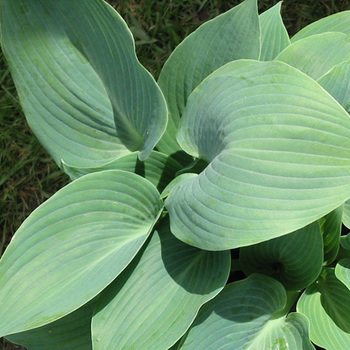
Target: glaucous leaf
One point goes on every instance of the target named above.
(247, 315)
(342, 272)
(294, 259)
(83, 91)
(154, 301)
(72, 332)
(326, 304)
(346, 214)
(338, 22)
(278, 151)
(158, 168)
(230, 36)
(274, 35)
(331, 225)
(73, 246)
(316, 55)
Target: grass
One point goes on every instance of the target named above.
(28, 176)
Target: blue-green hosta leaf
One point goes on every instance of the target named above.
(246, 316)
(72, 332)
(84, 93)
(294, 259)
(338, 22)
(346, 214)
(331, 226)
(278, 151)
(274, 36)
(154, 301)
(230, 36)
(158, 168)
(73, 246)
(337, 83)
(316, 55)
(342, 271)
(326, 304)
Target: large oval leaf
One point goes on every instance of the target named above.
(230, 36)
(326, 304)
(278, 151)
(294, 259)
(317, 54)
(72, 332)
(274, 35)
(73, 246)
(83, 91)
(338, 22)
(154, 301)
(246, 315)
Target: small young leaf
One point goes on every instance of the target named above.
(230, 36)
(153, 302)
(73, 246)
(316, 55)
(278, 151)
(72, 332)
(294, 259)
(245, 315)
(84, 93)
(274, 35)
(326, 304)
(338, 22)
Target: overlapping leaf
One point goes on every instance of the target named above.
(274, 36)
(72, 332)
(154, 301)
(73, 246)
(278, 151)
(294, 259)
(316, 55)
(326, 304)
(230, 36)
(84, 93)
(246, 315)
(338, 22)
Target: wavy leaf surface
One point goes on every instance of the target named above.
(230, 36)
(73, 246)
(83, 91)
(246, 315)
(278, 152)
(154, 301)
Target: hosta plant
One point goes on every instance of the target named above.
(205, 209)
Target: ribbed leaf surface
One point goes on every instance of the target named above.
(84, 93)
(245, 316)
(154, 301)
(338, 22)
(318, 54)
(326, 304)
(73, 246)
(274, 36)
(230, 36)
(278, 151)
(72, 332)
(294, 259)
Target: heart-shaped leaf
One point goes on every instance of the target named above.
(278, 151)
(154, 301)
(72, 332)
(230, 36)
(338, 22)
(326, 304)
(274, 36)
(294, 259)
(73, 246)
(246, 315)
(84, 93)
(316, 55)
